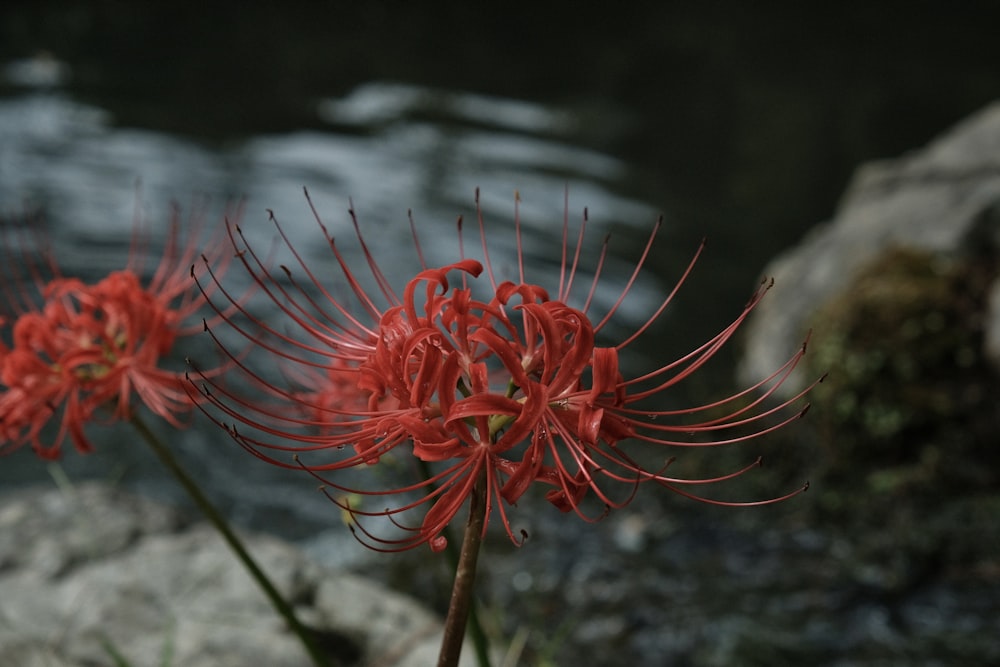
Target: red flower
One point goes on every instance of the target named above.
(506, 382)
(86, 351)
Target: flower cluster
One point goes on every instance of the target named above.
(469, 378)
(82, 352)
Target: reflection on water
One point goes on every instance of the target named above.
(386, 155)
(377, 103)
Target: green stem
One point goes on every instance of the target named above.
(465, 578)
(279, 603)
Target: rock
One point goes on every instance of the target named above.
(93, 572)
(992, 332)
(901, 291)
(943, 199)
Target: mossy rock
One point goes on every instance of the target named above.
(908, 414)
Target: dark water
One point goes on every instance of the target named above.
(738, 125)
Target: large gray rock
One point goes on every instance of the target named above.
(943, 199)
(92, 571)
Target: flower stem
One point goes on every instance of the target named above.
(465, 577)
(279, 603)
(479, 640)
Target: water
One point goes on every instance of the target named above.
(89, 177)
(688, 115)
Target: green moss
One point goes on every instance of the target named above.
(903, 348)
(908, 415)
(900, 347)
(909, 407)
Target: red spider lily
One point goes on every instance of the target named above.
(83, 352)
(506, 382)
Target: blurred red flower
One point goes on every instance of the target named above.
(473, 378)
(83, 352)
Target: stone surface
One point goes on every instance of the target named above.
(901, 290)
(944, 199)
(93, 571)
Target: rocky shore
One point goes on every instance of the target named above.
(92, 573)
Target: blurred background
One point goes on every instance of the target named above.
(737, 123)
